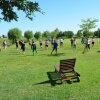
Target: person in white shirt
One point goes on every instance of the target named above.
(4, 44)
(40, 42)
(74, 43)
(61, 42)
(89, 43)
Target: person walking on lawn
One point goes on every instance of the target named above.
(34, 47)
(55, 45)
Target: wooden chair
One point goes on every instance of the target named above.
(67, 71)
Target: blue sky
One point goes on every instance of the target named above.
(62, 14)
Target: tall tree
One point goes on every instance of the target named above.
(79, 33)
(69, 34)
(45, 34)
(54, 33)
(37, 35)
(8, 9)
(14, 34)
(88, 24)
(28, 34)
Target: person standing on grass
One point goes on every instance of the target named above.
(23, 47)
(34, 47)
(74, 43)
(93, 41)
(71, 40)
(85, 45)
(89, 43)
(17, 44)
(20, 44)
(61, 42)
(4, 44)
(82, 40)
(30, 44)
(40, 42)
(46, 43)
(55, 45)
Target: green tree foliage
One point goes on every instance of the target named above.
(79, 33)
(88, 33)
(14, 34)
(46, 34)
(88, 24)
(69, 34)
(9, 12)
(54, 33)
(37, 35)
(60, 34)
(91, 34)
(97, 33)
(28, 35)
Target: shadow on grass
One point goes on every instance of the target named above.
(98, 51)
(50, 81)
(58, 54)
(54, 79)
(13, 54)
(18, 54)
(44, 82)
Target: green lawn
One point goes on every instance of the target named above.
(20, 74)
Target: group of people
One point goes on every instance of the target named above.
(21, 44)
(34, 47)
(73, 42)
(85, 40)
(55, 43)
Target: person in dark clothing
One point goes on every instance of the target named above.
(34, 47)
(71, 40)
(20, 44)
(0, 48)
(16, 44)
(55, 45)
(23, 47)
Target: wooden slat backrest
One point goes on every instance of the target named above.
(67, 64)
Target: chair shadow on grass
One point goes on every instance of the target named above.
(55, 81)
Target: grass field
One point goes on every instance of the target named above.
(20, 74)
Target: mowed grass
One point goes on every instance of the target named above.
(20, 74)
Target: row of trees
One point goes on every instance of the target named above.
(16, 33)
